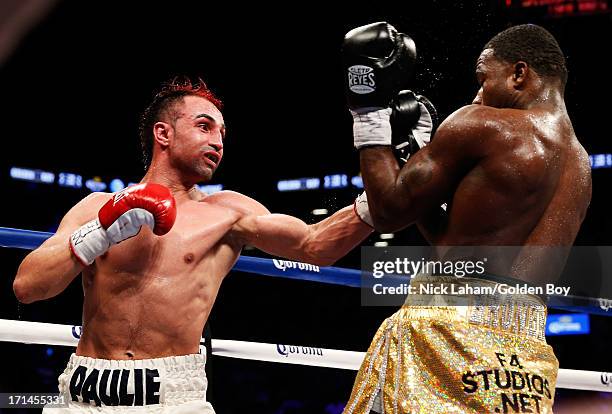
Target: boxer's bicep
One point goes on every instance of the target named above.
(321, 244)
(424, 184)
(276, 234)
(84, 211)
(430, 176)
(50, 268)
(272, 233)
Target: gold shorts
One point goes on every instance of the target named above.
(459, 359)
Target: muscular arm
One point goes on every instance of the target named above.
(49, 269)
(322, 243)
(399, 197)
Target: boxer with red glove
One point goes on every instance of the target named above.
(122, 217)
(146, 303)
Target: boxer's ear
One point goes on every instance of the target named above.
(520, 73)
(162, 132)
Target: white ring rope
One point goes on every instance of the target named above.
(66, 335)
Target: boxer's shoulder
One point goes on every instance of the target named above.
(480, 118)
(83, 211)
(468, 131)
(239, 202)
(486, 127)
(90, 204)
(96, 197)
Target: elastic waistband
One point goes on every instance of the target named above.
(172, 362)
(506, 280)
(522, 314)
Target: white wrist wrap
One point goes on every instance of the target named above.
(371, 126)
(89, 242)
(424, 127)
(362, 210)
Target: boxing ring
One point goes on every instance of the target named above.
(66, 335)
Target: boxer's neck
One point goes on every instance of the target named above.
(544, 96)
(181, 189)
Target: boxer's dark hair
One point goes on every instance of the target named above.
(169, 94)
(532, 44)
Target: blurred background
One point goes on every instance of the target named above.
(75, 76)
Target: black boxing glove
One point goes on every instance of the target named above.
(413, 122)
(379, 62)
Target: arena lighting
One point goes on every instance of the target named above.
(298, 184)
(357, 181)
(36, 176)
(70, 180)
(23, 174)
(386, 236)
(335, 181)
(567, 324)
(601, 161)
(46, 177)
(95, 184)
(381, 244)
(116, 185)
(332, 181)
(319, 211)
(559, 8)
(210, 188)
(313, 183)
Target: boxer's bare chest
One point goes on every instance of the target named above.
(199, 229)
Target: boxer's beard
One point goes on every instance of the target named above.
(203, 171)
(194, 171)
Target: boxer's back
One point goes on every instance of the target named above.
(532, 186)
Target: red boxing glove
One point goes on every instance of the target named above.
(122, 217)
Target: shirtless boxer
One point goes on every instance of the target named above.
(513, 174)
(153, 257)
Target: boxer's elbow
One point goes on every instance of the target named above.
(23, 291)
(25, 287)
(389, 220)
(385, 225)
(389, 213)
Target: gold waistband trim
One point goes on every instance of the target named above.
(521, 314)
